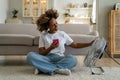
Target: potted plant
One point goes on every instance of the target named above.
(14, 12)
(66, 14)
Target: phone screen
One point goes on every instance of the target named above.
(56, 41)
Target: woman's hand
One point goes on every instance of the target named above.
(44, 51)
(54, 45)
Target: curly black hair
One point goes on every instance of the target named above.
(43, 20)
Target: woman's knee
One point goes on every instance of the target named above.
(72, 59)
(31, 56)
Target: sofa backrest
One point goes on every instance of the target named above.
(76, 28)
(29, 29)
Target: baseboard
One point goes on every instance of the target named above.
(116, 55)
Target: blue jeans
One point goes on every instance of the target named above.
(49, 63)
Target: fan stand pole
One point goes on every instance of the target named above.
(96, 70)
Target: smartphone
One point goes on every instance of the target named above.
(56, 41)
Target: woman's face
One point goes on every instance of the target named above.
(53, 25)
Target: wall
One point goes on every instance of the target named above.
(59, 5)
(17, 4)
(103, 8)
(3, 10)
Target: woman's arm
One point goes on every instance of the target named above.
(80, 45)
(44, 51)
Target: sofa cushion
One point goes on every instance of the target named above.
(77, 51)
(76, 28)
(36, 40)
(16, 39)
(81, 38)
(17, 50)
(28, 29)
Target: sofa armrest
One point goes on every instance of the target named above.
(82, 38)
(94, 33)
(16, 39)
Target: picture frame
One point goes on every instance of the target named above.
(117, 6)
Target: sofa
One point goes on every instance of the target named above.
(19, 39)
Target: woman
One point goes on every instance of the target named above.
(51, 59)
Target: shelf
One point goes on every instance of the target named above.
(34, 8)
(83, 18)
(80, 14)
(79, 8)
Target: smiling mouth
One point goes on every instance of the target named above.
(56, 29)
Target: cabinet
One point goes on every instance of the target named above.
(33, 8)
(79, 15)
(114, 33)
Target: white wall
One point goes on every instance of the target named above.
(3, 10)
(18, 4)
(103, 9)
(59, 5)
(15, 4)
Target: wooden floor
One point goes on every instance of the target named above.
(21, 60)
(104, 62)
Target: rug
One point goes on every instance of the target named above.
(25, 72)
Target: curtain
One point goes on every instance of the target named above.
(94, 12)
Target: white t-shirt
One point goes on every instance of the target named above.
(46, 39)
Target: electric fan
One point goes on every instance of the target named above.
(94, 54)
